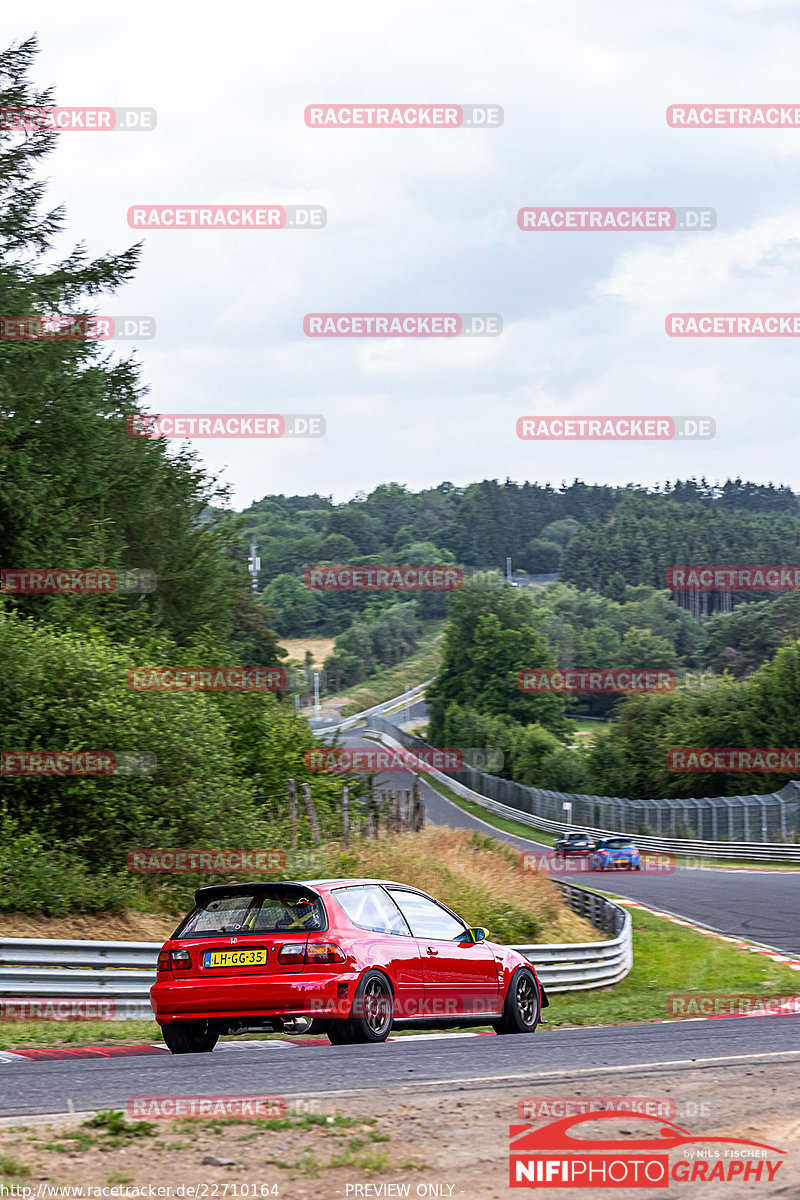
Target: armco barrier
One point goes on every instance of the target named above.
(627, 815)
(44, 969)
(385, 706)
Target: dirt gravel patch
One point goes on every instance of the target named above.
(449, 1140)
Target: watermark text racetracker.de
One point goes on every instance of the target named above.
(169, 861)
(594, 680)
(56, 119)
(227, 216)
(619, 429)
(369, 761)
(623, 220)
(733, 116)
(236, 1106)
(57, 1008)
(227, 425)
(419, 578)
(715, 324)
(402, 324)
(777, 760)
(403, 116)
(75, 582)
(548, 1108)
(656, 862)
(755, 578)
(207, 679)
(693, 1005)
(79, 763)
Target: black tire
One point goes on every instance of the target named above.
(372, 1012)
(339, 1033)
(190, 1037)
(320, 1025)
(522, 1009)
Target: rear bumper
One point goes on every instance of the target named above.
(318, 995)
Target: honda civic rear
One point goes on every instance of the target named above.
(250, 955)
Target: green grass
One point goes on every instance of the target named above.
(12, 1166)
(392, 681)
(476, 810)
(75, 1033)
(585, 727)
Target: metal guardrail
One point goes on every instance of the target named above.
(576, 967)
(397, 738)
(122, 972)
(385, 706)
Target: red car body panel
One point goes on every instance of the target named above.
(430, 978)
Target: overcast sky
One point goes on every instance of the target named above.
(425, 221)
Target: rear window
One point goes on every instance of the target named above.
(617, 843)
(262, 911)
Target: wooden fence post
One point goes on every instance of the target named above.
(419, 808)
(292, 813)
(346, 815)
(312, 814)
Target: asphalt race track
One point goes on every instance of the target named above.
(280, 1068)
(764, 906)
(761, 905)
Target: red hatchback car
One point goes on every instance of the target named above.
(356, 956)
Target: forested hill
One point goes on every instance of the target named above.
(595, 536)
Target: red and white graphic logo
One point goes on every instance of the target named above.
(553, 1156)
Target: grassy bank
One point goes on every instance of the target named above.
(393, 681)
(502, 823)
(667, 961)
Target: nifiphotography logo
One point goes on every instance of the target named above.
(551, 1156)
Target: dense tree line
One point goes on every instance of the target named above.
(77, 491)
(378, 639)
(599, 538)
(475, 700)
(648, 534)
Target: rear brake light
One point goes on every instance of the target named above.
(324, 952)
(314, 952)
(163, 960)
(292, 952)
(181, 960)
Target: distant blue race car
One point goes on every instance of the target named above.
(616, 853)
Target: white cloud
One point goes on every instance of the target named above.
(426, 221)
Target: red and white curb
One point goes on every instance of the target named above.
(767, 951)
(39, 1053)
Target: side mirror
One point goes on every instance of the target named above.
(478, 934)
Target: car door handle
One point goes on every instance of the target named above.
(432, 951)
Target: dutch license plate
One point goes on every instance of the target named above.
(235, 958)
(620, 862)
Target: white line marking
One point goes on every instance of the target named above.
(567, 1071)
